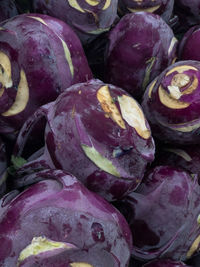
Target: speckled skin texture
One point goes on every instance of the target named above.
(75, 119)
(8, 9)
(36, 48)
(165, 9)
(91, 18)
(163, 213)
(61, 209)
(138, 51)
(166, 122)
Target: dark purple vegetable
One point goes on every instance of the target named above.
(134, 59)
(163, 8)
(40, 57)
(7, 9)
(97, 132)
(172, 104)
(165, 263)
(188, 13)
(164, 215)
(88, 18)
(3, 167)
(185, 157)
(60, 209)
(71, 258)
(189, 45)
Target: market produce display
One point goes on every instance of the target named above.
(163, 214)
(40, 57)
(104, 131)
(59, 213)
(172, 103)
(134, 59)
(88, 18)
(99, 133)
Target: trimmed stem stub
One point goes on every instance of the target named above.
(5, 71)
(100, 161)
(133, 115)
(147, 9)
(80, 264)
(109, 107)
(22, 97)
(194, 247)
(40, 245)
(169, 101)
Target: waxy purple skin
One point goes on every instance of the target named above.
(33, 43)
(87, 20)
(75, 119)
(61, 209)
(163, 214)
(171, 125)
(189, 44)
(139, 49)
(3, 167)
(165, 7)
(94, 257)
(165, 263)
(8, 9)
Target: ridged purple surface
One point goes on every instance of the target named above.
(61, 209)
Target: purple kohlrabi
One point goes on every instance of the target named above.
(58, 214)
(172, 104)
(40, 56)
(189, 44)
(88, 18)
(140, 46)
(97, 132)
(164, 215)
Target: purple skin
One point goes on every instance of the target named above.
(95, 257)
(8, 9)
(61, 209)
(172, 104)
(188, 13)
(83, 17)
(188, 47)
(77, 120)
(133, 59)
(38, 50)
(3, 167)
(184, 157)
(165, 263)
(165, 7)
(163, 215)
